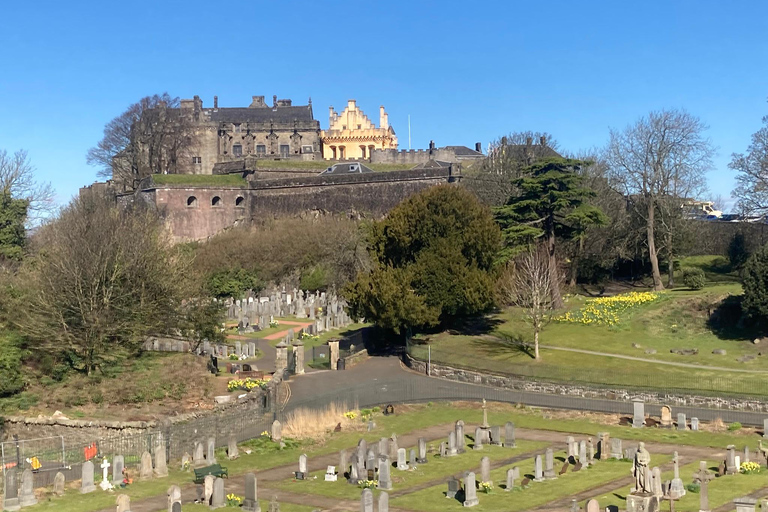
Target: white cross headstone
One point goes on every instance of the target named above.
(105, 485)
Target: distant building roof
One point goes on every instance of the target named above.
(347, 168)
(463, 151)
(280, 114)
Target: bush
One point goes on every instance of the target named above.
(755, 284)
(232, 282)
(694, 278)
(737, 250)
(11, 378)
(314, 279)
(734, 426)
(694, 488)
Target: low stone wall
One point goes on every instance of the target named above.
(356, 358)
(551, 388)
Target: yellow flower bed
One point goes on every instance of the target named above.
(606, 310)
(246, 384)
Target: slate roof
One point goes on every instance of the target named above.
(347, 168)
(261, 114)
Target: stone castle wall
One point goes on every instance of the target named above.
(414, 156)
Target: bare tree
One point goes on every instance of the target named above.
(17, 180)
(663, 155)
(752, 179)
(153, 136)
(491, 179)
(529, 286)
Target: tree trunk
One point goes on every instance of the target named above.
(557, 299)
(671, 261)
(652, 254)
(574, 270)
(536, 343)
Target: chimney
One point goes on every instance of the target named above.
(274, 101)
(215, 102)
(431, 145)
(383, 118)
(543, 140)
(478, 147)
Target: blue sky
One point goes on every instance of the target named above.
(464, 71)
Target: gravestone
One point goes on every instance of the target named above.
(232, 451)
(87, 483)
(616, 452)
(549, 469)
(370, 460)
(702, 477)
(176, 507)
(695, 424)
(354, 473)
(402, 465)
(656, 483)
(682, 423)
(384, 445)
(765, 427)
(219, 499)
(161, 464)
(362, 451)
(145, 471)
(174, 496)
(105, 485)
(11, 496)
(570, 447)
(208, 488)
(478, 439)
(575, 506)
(564, 469)
(745, 504)
(343, 465)
(509, 435)
(592, 506)
(277, 431)
(454, 486)
(366, 501)
(583, 452)
(393, 447)
(412, 457)
(303, 464)
(27, 494)
(123, 502)
(118, 464)
(452, 447)
(422, 458)
(746, 455)
(198, 458)
(676, 487)
(210, 456)
(274, 506)
(510, 483)
(443, 449)
(485, 469)
(383, 502)
(638, 416)
(385, 481)
(470, 490)
(590, 451)
(603, 445)
(330, 474)
(730, 461)
(538, 470)
(459, 429)
(251, 498)
(58, 484)
(666, 416)
(496, 436)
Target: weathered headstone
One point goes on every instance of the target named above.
(354, 473)
(695, 424)
(616, 451)
(384, 445)
(730, 461)
(422, 458)
(478, 445)
(549, 469)
(592, 506)
(219, 499)
(590, 451)
(145, 471)
(393, 446)
(87, 483)
(485, 469)
(385, 481)
(656, 482)
(174, 496)
(370, 460)
(459, 429)
(412, 457)
(496, 436)
(470, 490)
(118, 464)
(330, 474)
(161, 464)
(123, 502)
(251, 498)
(638, 416)
(274, 506)
(666, 416)
(571, 447)
(452, 446)
(765, 427)
(402, 464)
(603, 445)
(509, 435)
(58, 484)
(702, 477)
(510, 483)
(383, 502)
(454, 486)
(682, 422)
(176, 507)
(198, 457)
(443, 449)
(538, 470)
(583, 452)
(210, 456)
(232, 451)
(746, 455)
(277, 431)
(27, 494)
(745, 504)
(208, 488)
(303, 464)
(366, 501)
(343, 464)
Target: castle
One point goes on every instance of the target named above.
(269, 161)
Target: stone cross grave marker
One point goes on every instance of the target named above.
(105, 485)
(702, 477)
(676, 487)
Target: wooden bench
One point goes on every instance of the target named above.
(213, 469)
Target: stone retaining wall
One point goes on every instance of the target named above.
(356, 358)
(551, 388)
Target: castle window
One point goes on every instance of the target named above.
(240, 202)
(197, 160)
(342, 152)
(261, 149)
(237, 128)
(343, 127)
(237, 150)
(285, 150)
(192, 202)
(359, 126)
(216, 201)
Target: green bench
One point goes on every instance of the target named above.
(213, 469)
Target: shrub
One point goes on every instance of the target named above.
(734, 426)
(694, 278)
(314, 278)
(754, 279)
(694, 488)
(737, 250)
(232, 282)
(11, 378)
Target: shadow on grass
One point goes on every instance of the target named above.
(513, 343)
(475, 326)
(727, 321)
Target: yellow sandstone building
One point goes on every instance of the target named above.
(351, 135)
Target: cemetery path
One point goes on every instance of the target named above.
(654, 361)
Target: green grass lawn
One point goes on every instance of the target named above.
(437, 468)
(722, 490)
(284, 507)
(321, 165)
(200, 180)
(535, 495)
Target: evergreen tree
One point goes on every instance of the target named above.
(755, 284)
(551, 203)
